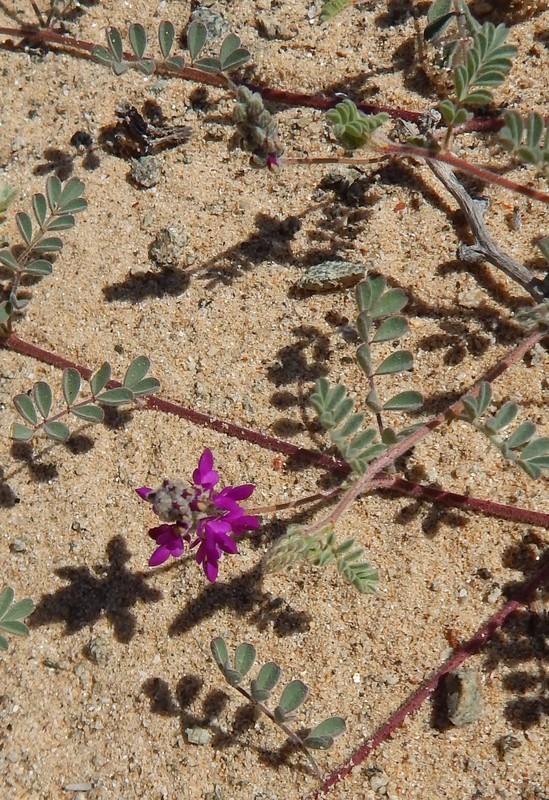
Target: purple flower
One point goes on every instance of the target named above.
(169, 541)
(215, 517)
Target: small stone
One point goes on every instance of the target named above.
(379, 781)
(19, 545)
(473, 298)
(146, 171)
(216, 25)
(198, 735)
(463, 699)
(168, 246)
(97, 650)
(505, 744)
(331, 275)
(494, 595)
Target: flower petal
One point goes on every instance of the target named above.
(160, 555)
(144, 492)
(204, 475)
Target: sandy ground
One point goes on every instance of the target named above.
(117, 667)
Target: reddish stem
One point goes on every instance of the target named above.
(37, 36)
(427, 493)
(521, 596)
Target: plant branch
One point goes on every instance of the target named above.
(521, 597)
(484, 248)
(366, 482)
(294, 738)
(37, 36)
(380, 481)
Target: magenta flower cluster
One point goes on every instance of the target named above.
(196, 515)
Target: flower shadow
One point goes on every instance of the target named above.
(245, 596)
(111, 592)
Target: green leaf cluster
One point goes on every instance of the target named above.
(333, 7)
(53, 212)
(335, 412)
(231, 54)
(35, 408)
(256, 128)
(294, 694)
(352, 128)
(11, 615)
(379, 321)
(522, 447)
(320, 548)
(113, 55)
(486, 62)
(450, 29)
(528, 139)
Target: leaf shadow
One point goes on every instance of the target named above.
(111, 592)
(522, 645)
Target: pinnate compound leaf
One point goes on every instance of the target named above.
(115, 397)
(40, 208)
(400, 361)
(70, 383)
(293, 695)
(322, 735)
(57, 431)
(42, 396)
(391, 329)
(138, 39)
(404, 401)
(21, 433)
(89, 413)
(26, 408)
(100, 378)
(219, 651)
(39, 267)
(24, 223)
(197, 33)
(244, 658)
(166, 36)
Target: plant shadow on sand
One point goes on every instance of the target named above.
(112, 591)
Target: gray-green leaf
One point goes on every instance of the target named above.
(115, 397)
(244, 658)
(42, 396)
(400, 361)
(26, 408)
(70, 384)
(89, 412)
(57, 431)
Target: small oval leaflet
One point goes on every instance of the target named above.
(331, 275)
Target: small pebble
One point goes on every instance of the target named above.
(198, 735)
(464, 701)
(331, 275)
(19, 545)
(146, 171)
(168, 246)
(97, 650)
